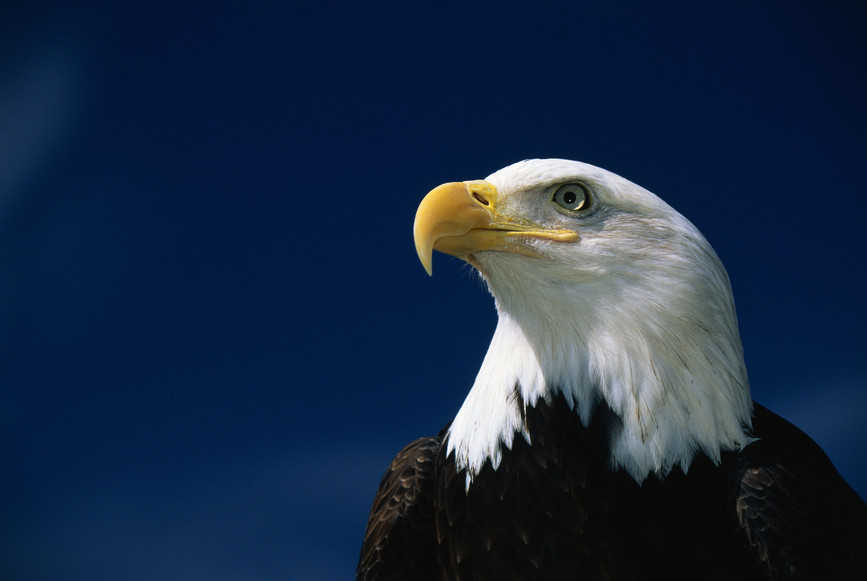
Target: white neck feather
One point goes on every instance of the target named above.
(661, 349)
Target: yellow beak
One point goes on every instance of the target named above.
(461, 218)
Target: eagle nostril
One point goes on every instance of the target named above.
(481, 199)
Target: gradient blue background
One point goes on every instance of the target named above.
(215, 332)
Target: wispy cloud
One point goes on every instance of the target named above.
(39, 96)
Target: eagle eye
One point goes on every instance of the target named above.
(572, 197)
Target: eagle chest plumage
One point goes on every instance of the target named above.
(530, 516)
(553, 509)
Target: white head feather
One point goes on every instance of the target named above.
(638, 312)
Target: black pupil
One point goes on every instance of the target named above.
(569, 197)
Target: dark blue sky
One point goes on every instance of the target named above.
(215, 332)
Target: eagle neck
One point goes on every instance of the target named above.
(674, 377)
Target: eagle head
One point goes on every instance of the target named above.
(604, 293)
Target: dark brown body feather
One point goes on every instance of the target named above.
(553, 510)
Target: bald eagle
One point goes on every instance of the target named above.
(610, 432)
